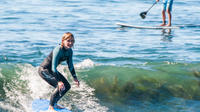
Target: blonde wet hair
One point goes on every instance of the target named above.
(67, 36)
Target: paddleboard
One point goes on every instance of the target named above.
(148, 27)
(42, 105)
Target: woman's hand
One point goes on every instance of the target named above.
(77, 82)
(61, 86)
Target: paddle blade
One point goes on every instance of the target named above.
(143, 15)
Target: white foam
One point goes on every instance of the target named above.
(17, 93)
(38, 88)
(9, 107)
(82, 97)
(85, 100)
(87, 63)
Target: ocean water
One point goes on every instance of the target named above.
(120, 69)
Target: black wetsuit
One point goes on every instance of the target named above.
(49, 73)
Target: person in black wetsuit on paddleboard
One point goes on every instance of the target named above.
(52, 76)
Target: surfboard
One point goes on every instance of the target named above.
(42, 105)
(148, 27)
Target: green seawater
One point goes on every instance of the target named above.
(153, 82)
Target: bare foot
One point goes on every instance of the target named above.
(168, 25)
(163, 24)
(51, 109)
(58, 106)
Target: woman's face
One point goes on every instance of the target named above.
(68, 43)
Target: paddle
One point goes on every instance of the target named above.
(143, 14)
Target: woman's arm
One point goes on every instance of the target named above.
(71, 67)
(55, 62)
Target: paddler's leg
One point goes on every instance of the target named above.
(169, 10)
(163, 18)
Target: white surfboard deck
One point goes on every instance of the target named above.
(148, 27)
(42, 105)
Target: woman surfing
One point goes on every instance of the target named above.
(48, 69)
